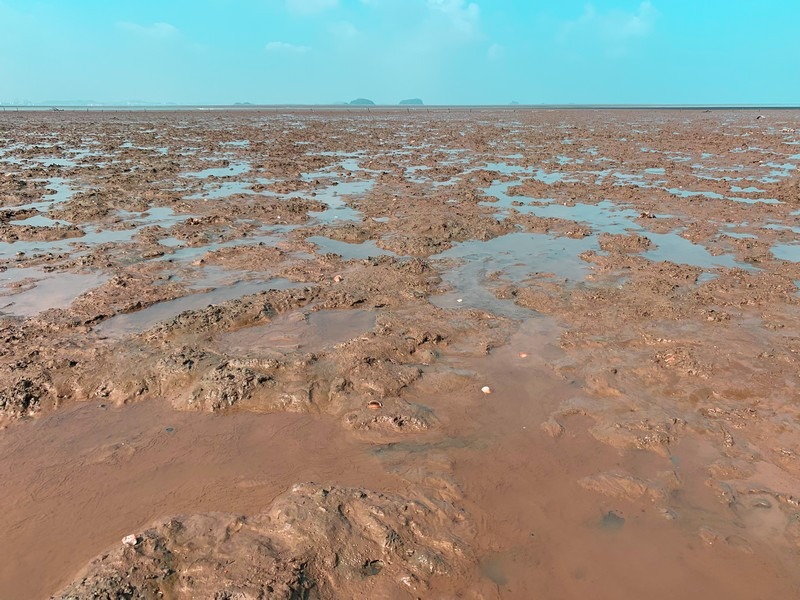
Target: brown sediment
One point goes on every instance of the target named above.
(234, 305)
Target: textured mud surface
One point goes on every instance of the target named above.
(327, 542)
(201, 314)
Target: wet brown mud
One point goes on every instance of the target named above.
(454, 354)
(618, 526)
(109, 471)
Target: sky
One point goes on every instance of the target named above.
(442, 51)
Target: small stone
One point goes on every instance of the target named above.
(669, 514)
(130, 540)
(338, 278)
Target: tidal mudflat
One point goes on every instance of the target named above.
(425, 354)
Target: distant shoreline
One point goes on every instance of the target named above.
(387, 107)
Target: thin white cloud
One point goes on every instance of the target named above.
(343, 29)
(463, 16)
(495, 52)
(286, 48)
(310, 7)
(156, 30)
(614, 29)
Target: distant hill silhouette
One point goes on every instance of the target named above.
(415, 101)
(362, 101)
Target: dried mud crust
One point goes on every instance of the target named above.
(313, 542)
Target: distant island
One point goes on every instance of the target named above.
(415, 101)
(362, 101)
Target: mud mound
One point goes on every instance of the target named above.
(314, 542)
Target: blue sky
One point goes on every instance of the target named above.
(443, 51)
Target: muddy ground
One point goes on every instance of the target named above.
(426, 354)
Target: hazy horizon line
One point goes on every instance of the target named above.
(72, 105)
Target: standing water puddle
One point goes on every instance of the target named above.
(53, 290)
(139, 321)
(790, 252)
(333, 196)
(92, 235)
(517, 256)
(607, 217)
